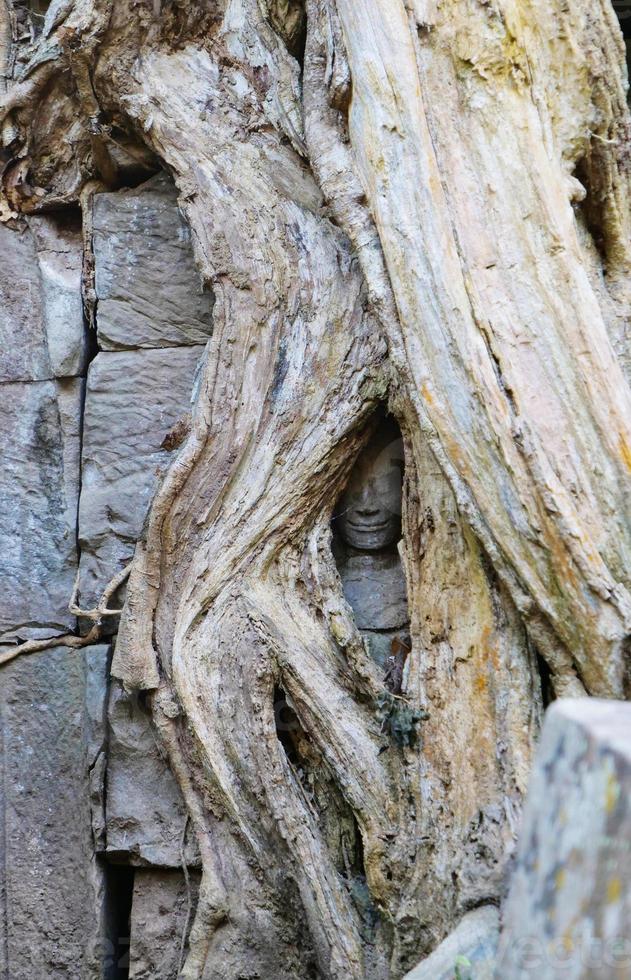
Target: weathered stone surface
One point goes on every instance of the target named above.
(60, 256)
(133, 399)
(51, 733)
(42, 338)
(148, 289)
(42, 333)
(21, 313)
(375, 588)
(145, 810)
(568, 913)
(39, 489)
(468, 953)
(162, 910)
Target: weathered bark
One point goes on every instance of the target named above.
(393, 217)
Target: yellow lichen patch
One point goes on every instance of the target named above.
(612, 792)
(614, 890)
(484, 43)
(625, 452)
(490, 647)
(427, 396)
(559, 879)
(480, 683)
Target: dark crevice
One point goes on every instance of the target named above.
(623, 10)
(58, 378)
(337, 821)
(591, 208)
(545, 678)
(168, 345)
(499, 374)
(37, 7)
(134, 161)
(289, 20)
(626, 666)
(287, 725)
(119, 888)
(35, 10)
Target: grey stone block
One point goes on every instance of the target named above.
(39, 489)
(161, 916)
(60, 257)
(22, 331)
(568, 913)
(148, 289)
(146, 816)
(468, 953)
(133, 399)
(51, 731)
(42, 333)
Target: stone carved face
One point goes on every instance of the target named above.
(368, 514)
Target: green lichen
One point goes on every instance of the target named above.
(399, 719)
(462, 968)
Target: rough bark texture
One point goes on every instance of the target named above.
(423, 206)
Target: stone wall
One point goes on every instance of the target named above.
(44, 360)
(91, 819)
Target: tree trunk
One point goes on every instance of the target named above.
(417, 206)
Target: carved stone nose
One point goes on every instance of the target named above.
(367, 511)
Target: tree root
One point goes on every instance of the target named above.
(95, 615)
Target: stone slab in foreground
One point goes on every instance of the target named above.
(161, 916)
(42, 334)
(569, 909)
(468, 953)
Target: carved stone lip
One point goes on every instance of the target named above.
(364, 526)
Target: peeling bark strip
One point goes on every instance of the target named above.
(394, 218)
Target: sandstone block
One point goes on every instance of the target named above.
(42, 333)
(39, 489)
(145, 810)
(161, 916)
(60, 258)
(148, 289)
(133, 399)
(568, 912)
(51, 731)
